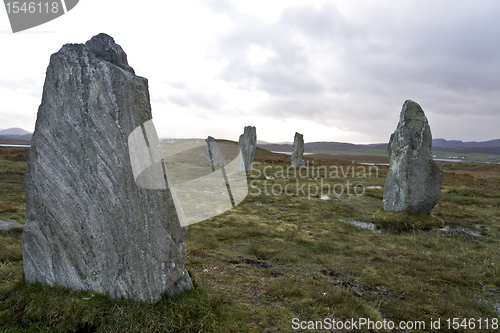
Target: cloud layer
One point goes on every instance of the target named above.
(332, 70)
(355, 71)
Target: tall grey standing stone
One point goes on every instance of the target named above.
(88, 225)
(413, 183)
(213, 153)
(298, 151)
(247, 145)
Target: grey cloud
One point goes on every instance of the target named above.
(442, 54)
(274, 77)
(156, 99)
(447, 44)
(205, 100)
(186, 95)
(177, 84)
(321, 23)
(179, 100)
(221, 7)
(25, 85)
(283, 81)
(288, 72)
(208, 101)
(280, 108)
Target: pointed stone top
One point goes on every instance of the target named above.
(249, 130)
(412, 111)
(104, 47)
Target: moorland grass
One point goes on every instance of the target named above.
(278, 257)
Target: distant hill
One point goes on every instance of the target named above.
(19, 136)
(15, 136)
(460, 147)
(310, 146)
(460, 144)
(456, 146)
(14, 131)
(469, 150)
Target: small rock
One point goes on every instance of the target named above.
(4, 225)
(357, 291)
(395, 294)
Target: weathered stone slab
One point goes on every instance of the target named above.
(247, 145)
(413, 183)
(298, 151)
(88, 224)
(213, 153)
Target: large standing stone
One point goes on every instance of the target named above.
(298, 151)
(247, 145)
(88, 225)
(413, 183)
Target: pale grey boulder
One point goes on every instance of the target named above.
(4, 225)
(298, 151)
(247, 145)
(413, 183)
(88, 224)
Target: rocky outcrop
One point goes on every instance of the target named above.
(298, 151)
(247, 145)
(413, 183)
(88, 224)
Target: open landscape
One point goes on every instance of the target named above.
(250, 166)
(302, 254)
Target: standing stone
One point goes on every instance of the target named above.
(88, 225)
(213, 153)
(247, 145)
(298, 151)
(413, 183)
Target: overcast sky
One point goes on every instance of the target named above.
(331, 70)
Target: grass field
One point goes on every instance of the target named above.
(301, 254)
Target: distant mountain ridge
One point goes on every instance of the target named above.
(14, 131)
(457, 146)
(18, 135)
(25, 137)
(15, 136)
(461, 144)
